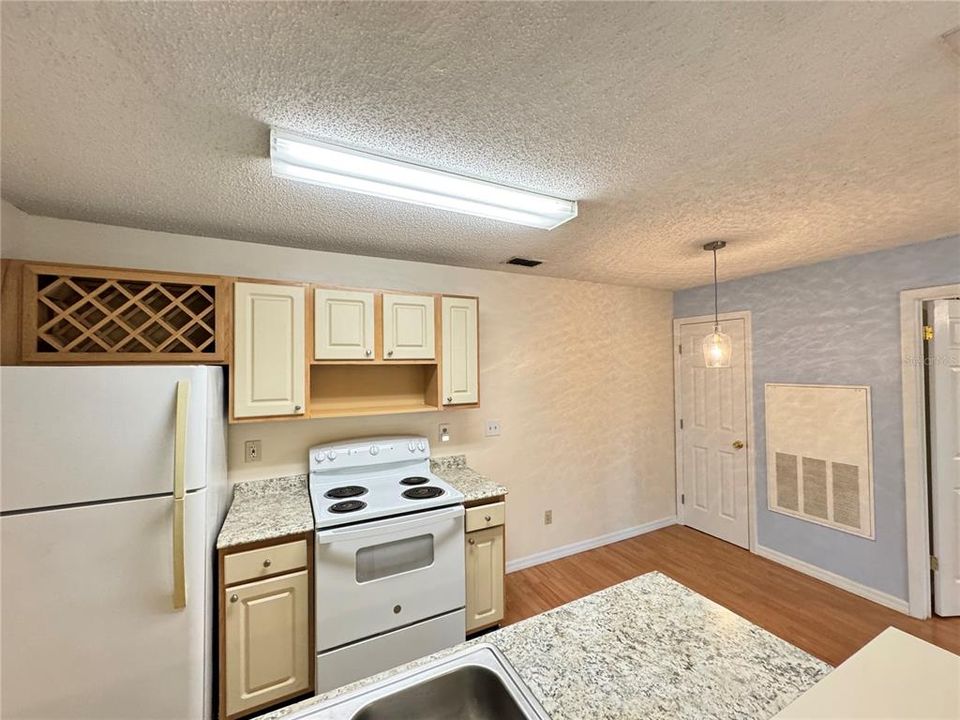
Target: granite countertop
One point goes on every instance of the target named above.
(646, 648)
(267, 509)
(472, 484)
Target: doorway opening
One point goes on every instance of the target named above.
(930, 343)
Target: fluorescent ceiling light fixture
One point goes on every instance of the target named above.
(320, 163)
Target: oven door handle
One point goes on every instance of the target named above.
(358, 532)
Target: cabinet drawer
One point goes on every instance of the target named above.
(253, 564)
(484, 516)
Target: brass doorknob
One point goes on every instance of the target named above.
(738, 444)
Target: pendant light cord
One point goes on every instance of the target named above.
(716, 301)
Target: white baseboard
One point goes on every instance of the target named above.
(578, 547)
(881, 598)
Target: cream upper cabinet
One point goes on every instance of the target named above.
(267, 641)
(484, 571)
(459, 340)
(269, 363)
(343, 325)
(409, 327)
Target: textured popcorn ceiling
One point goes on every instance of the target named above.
(796, 131)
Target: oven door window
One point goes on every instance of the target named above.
(393, 558)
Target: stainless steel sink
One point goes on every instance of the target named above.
(477, 683)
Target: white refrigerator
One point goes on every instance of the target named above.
(113, 486)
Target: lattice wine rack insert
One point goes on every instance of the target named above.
(126, 317)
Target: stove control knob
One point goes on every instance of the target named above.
(318, 457)
(331, 455)
(421, 446)
(412, 446)
(374, 449)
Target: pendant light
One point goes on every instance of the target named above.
(716, 345)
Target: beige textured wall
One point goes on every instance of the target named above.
(579, 374)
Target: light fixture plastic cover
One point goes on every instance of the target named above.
(717, 349)
(312, 161)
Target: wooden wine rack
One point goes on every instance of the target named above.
(78, 314)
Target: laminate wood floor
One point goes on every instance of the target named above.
(827, 622)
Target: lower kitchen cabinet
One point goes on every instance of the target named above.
(266, 629)
(484, 567)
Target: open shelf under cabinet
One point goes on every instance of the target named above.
(356, 390)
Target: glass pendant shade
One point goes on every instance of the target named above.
(717, 349)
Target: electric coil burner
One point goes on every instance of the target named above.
(347, 491)
(347, 506)
(422, 493)
(414, 480)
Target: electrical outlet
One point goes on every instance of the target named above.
(548, 517)
(444, 432)
(251, 451)
(493, 428)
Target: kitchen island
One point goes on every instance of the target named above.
(646, 648)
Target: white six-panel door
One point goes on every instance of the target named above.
(944, 351)
(408, 327)
(459, 333)
(268, 357)
(713, 454)
(343, 325)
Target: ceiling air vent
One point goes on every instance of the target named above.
(524, 262)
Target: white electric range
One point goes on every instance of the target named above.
(389, 555)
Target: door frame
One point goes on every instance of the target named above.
(751, 435)
(916, 480)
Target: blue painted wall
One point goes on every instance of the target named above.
(837, 323)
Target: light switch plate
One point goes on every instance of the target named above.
(251, 451)
(493, 428)
(444, 432)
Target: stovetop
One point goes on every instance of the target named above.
(372, 478)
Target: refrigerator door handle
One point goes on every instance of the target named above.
(179, 570)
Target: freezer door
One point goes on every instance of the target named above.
(82, 434)
(88, 627)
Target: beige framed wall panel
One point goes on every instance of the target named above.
(343, 322)
(409, 327)
(267, 638)
(821, 477)
(460, 343)
(269, 364)
(484, 573)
